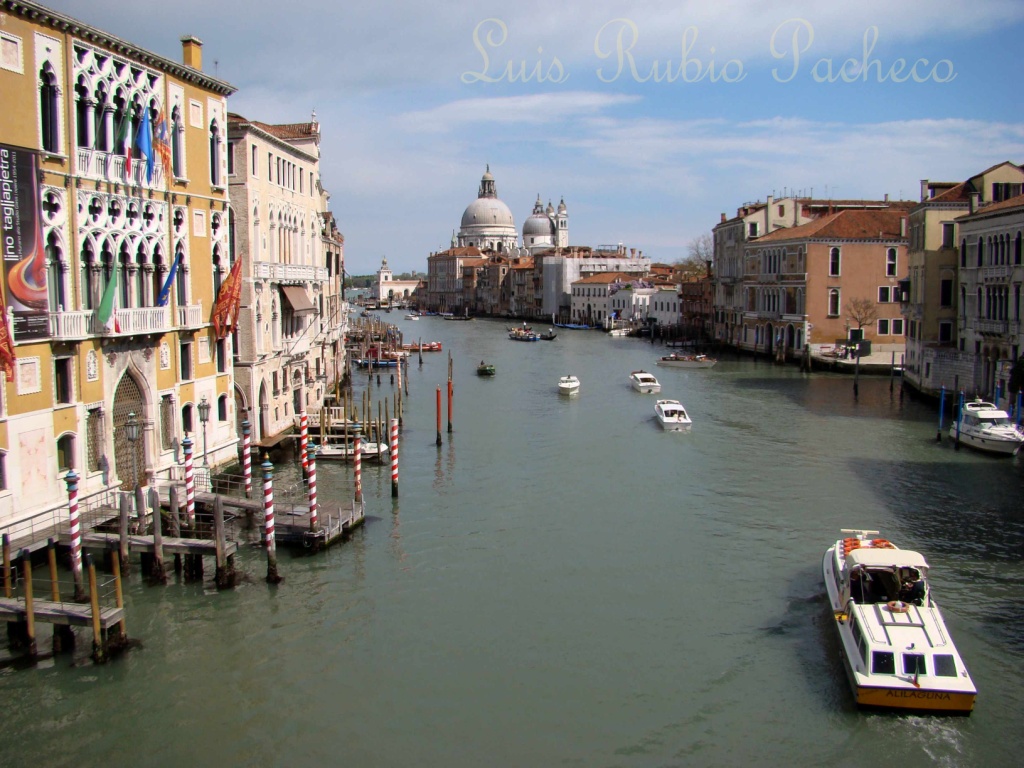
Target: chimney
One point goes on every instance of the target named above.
(903, 227)
(924, 190)
(723, 217)
(886, 198)
(974, 202)
(768, 214)
(192, 52)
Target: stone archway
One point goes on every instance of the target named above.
(129, 456)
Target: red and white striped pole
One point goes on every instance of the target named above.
(247, 457)
(314, 522)
(76, 533)
(393, 450)
(268, 521)
(190, 483)
(357, 465)
(304, 444)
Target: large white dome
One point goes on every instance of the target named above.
(487, 212)
(538, 225)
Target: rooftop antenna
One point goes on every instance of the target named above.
(215, 68)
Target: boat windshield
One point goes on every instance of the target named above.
(994, 421)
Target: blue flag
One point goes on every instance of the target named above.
(144, 141)
(165, 291)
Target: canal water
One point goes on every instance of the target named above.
(563, 583)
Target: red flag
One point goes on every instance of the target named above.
(225, 311)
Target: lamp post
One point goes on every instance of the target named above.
(131, 431)
(204, 416)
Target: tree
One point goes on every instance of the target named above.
(699, 254)
(862, 311)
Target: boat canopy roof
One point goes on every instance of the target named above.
(878, 557)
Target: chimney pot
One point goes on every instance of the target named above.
(974, 202)
(723, 217)
(192, 52)
(924, 190)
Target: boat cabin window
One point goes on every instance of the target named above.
(883, 663)
(944, 665)
(913, 664)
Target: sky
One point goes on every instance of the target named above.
(649, 120)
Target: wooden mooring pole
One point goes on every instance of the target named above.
(122, 531)
(273, 577)
(99, 651)
(174, 505)
(157, 571)
(119, 599)
(224, 576)
(30, 614)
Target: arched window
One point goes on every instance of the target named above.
(222, 408)
(833, 302)
(49, 110)
(177, 145)
(65, 452)
(82, 115)
(963, 253)
(180, 284)
(186, 418)
(124, 258)
(102, 116)
(834, 263)
(54, 274)
(215, 142)
(1017, 249)
(981, 251)
(890, 263)
(217, 278)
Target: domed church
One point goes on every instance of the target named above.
(487, 222)
(546, 228)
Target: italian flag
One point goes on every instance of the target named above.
(107, 312)
(124, 141)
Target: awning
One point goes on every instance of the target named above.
(297, 298)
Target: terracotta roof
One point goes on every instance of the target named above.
(466, 250)
(851, 224)
(606, 278)
(524, 262)
(1005, 205)
(289, 130)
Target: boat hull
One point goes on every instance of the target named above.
(1001, 447)
(688, 363)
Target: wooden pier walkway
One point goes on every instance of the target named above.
(66, 613)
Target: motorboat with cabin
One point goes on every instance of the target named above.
(568, 385)
(672, 416)
(676, 360)
(895, 646)
(644, 382)
(986, 427)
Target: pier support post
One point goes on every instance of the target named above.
(174, 505)
(304, 445)
(357, 466)
(30, 615)
(99, 651)
(450, 406)
(314, 518)
(122, 530)
(942, 408)
(438, 417)
(157, 571)
(7, 564)
(139, 501)
(75, 529)
(190, 484)
(393, 452)
(959, 419)
(268, 521)
(122, 625)
(224, 576)
(63, 635)
(247, 457)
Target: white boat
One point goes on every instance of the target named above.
(687, 361)
(412, 316)
(619, 332)
(671, 415)
(568, 385)
(345, 451)
(645, 382)
(895, 646)
(986, 427)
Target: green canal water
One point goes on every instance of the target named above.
(563, 584)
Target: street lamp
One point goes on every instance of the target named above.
(131, 431)
(204, 416)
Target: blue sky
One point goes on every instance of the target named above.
(411, 113)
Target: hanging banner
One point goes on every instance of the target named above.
(22, 242)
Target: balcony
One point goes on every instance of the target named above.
(994, 274)
(191, 316)
(71, 326)
(290, 273)
(131, 322)
(104, 166)
(994, 327)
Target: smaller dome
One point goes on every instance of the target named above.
(561, 206)
(550, 208)
(538, 225)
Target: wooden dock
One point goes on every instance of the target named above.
(67, 614)
(145, 543)
(292, 524)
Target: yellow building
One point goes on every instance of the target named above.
(119, 241)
